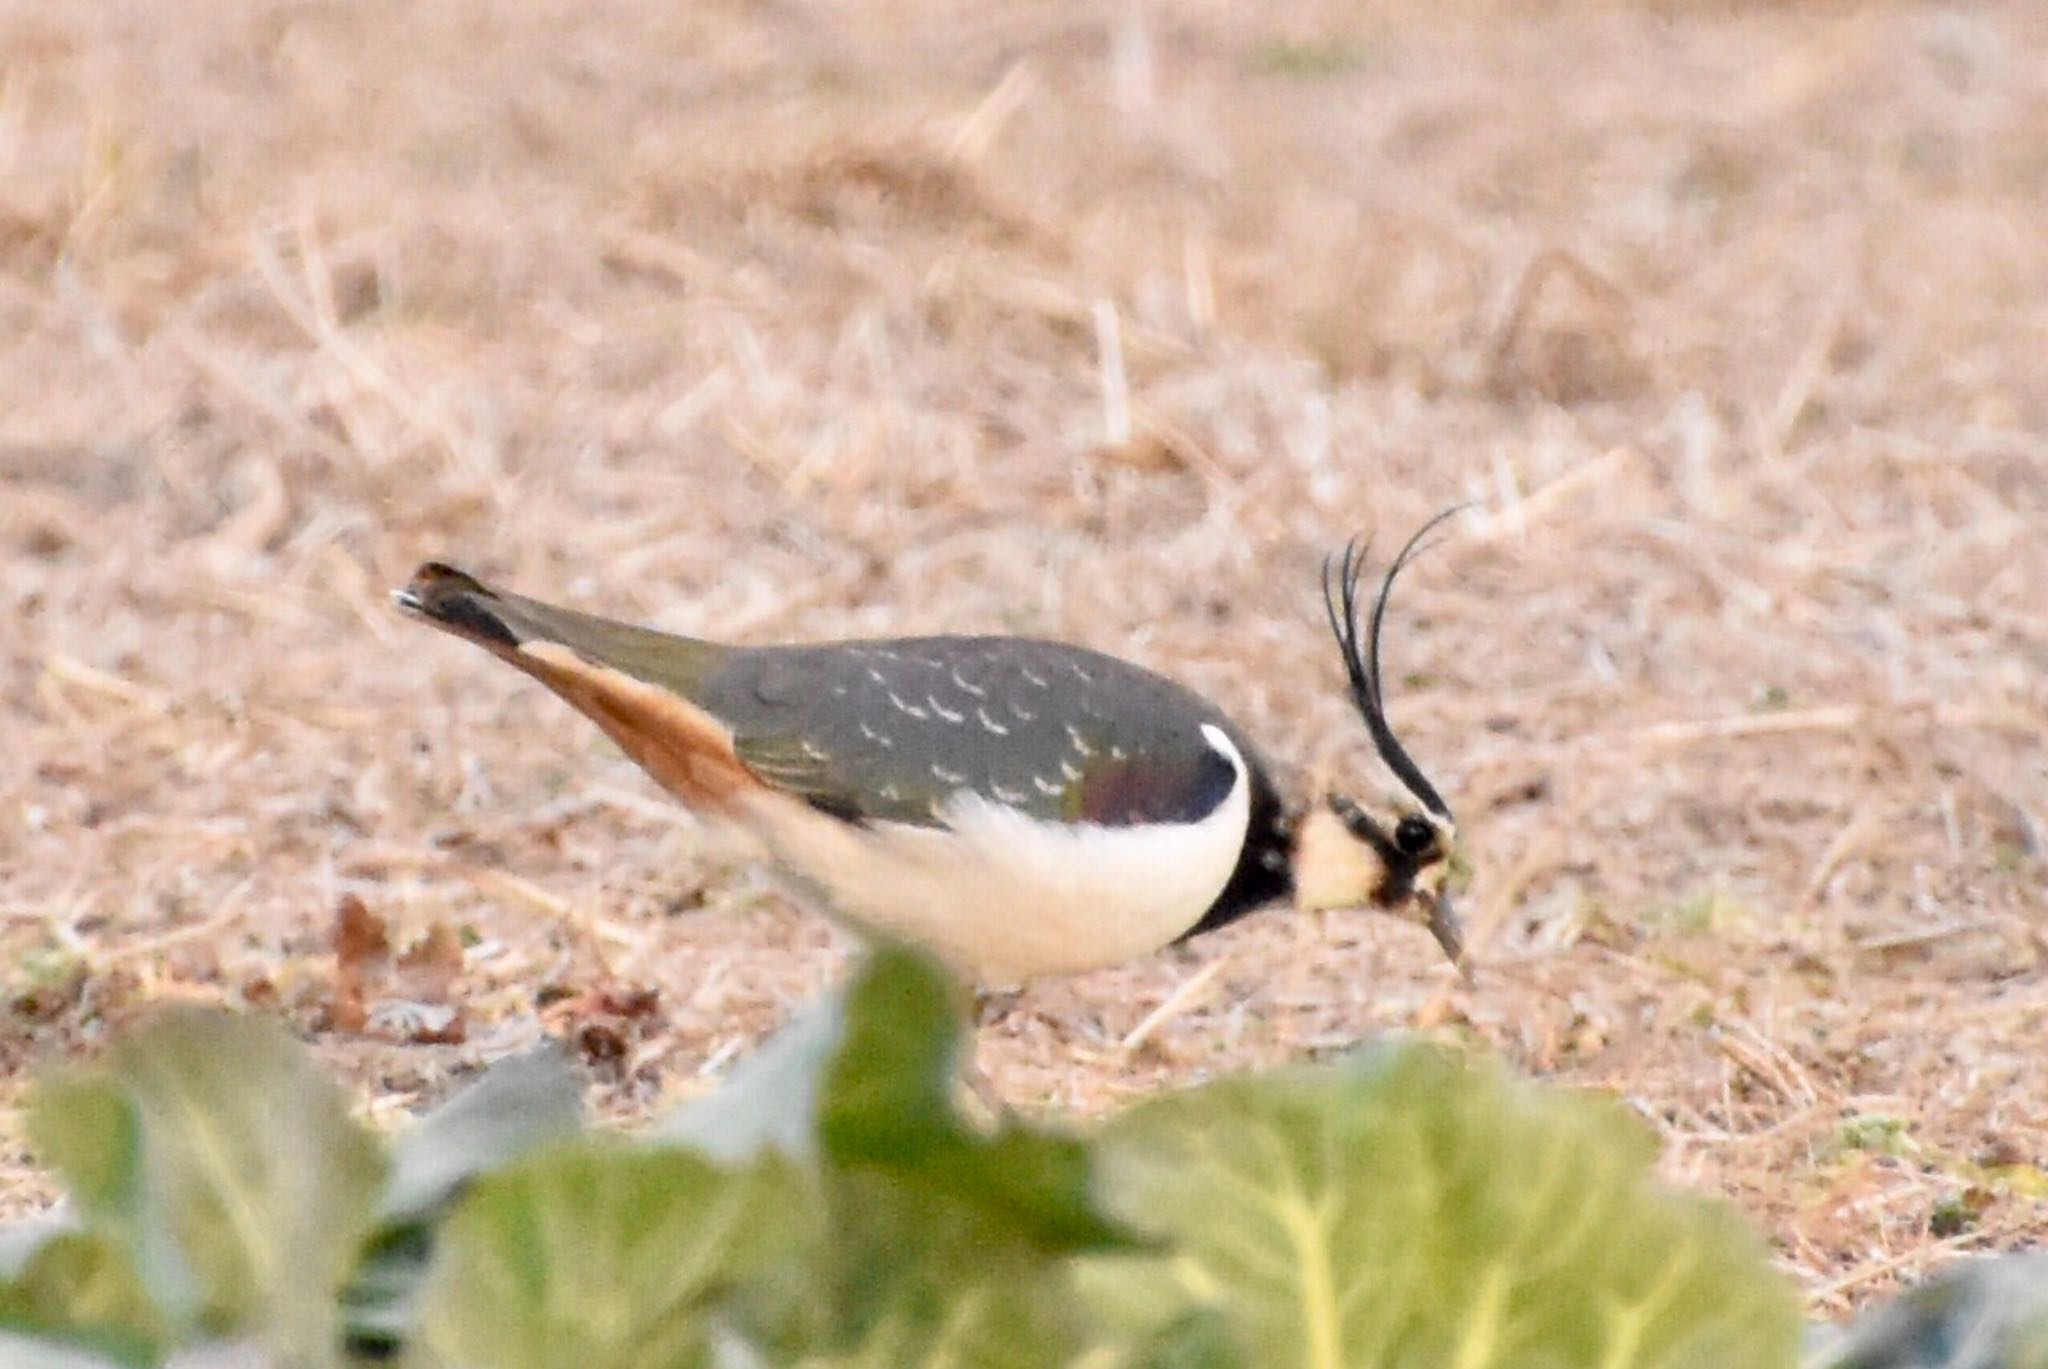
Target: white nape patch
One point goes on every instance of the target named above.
(1007, 897)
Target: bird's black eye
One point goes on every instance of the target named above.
(1414, 836)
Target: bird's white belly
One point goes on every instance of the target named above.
(1007, 897)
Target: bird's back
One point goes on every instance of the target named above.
(890, 729)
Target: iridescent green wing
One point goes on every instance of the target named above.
(895, 730)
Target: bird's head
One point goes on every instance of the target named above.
(1346, 856)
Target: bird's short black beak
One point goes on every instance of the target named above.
(1449, 934)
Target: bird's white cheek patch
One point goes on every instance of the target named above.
(1008, 897)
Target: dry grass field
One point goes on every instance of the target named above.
(797, 320)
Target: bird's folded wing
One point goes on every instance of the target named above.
(896, 731)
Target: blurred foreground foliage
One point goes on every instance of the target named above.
(828, 1206)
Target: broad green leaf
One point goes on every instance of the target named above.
(1201, 1338)
(893, 1075)
(250, 1190)
(943, 1245)
(947, 1245)
(236, 1354)
(1979, 1314)
(1141, 1316)
(598, 1255)
(19, 1241)
(917, 1276)
(888, 1110)
(85, 1127)
(81, 1290)
(771, 1097)
(1407, 1212)
(517, 1105)
(32, 1352)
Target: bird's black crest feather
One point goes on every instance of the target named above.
(1362, 660)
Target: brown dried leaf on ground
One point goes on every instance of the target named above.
(614, 1026)
(406, 998)
(430, 967)
(362, 959)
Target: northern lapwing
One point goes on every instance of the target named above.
(1021, 807)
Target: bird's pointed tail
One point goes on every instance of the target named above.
(508, 624)
(637, 684)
